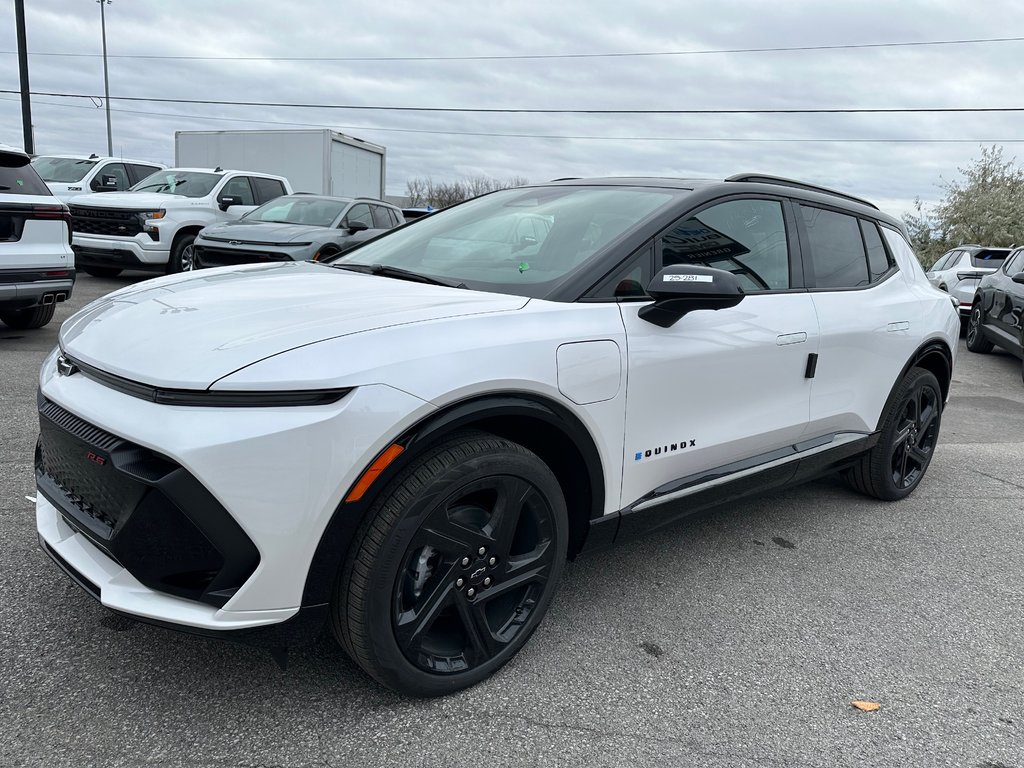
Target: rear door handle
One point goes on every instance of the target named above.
(790, 338)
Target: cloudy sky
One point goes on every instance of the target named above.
(230, 50)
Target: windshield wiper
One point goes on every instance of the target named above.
(398, 273)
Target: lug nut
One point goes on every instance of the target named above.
(470, 592)
(482, 551)
(492, 561)
(459, 582)
(487, 581)
(465, 562)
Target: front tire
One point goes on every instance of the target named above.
(895, 466)
(976, 341)
(26, 319)
(182, 257)
(454, 567)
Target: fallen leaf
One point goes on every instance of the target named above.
(866, 706)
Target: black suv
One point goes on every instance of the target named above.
(997, 315)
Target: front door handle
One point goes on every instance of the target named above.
(790, 338)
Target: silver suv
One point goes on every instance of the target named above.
(37, 266)
(959, 271)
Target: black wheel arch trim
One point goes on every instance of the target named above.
(493, 412)
(932, 349)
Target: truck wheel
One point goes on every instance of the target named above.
(894, 467)
(454, 566)
(102, 271)
(182, 255)
(24, 319)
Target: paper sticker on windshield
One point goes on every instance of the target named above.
(689, 278)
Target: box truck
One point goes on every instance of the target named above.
(315, 160)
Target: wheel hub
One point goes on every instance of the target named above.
(479, 573)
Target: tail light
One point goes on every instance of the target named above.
(50, 213)
(970, 275)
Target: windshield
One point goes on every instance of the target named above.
(63, 170)
(312, 211)
(517, 241)
(184, 183)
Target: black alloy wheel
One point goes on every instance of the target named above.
(976, 341)
(908, 436)
(915, 436)
(455, 566)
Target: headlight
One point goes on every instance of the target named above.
(146, 215)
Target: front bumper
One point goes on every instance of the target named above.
(279, 473)
(139, 252)
(210, 253)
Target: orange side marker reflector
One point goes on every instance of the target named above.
(381, 463)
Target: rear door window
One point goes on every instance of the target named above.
(239, 187)
(112, 177)
(360, 213)
(267, 189)
(381, 220)
(138, 172)
(838, 257)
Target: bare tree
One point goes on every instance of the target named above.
(424, 191)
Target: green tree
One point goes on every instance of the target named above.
(985, 206)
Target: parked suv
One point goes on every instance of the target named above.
(154, 224)
(70, 176)
(997, 316)
(959, 271)
(408, 442)
(295, 228)
(37, 267)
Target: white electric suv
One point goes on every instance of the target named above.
(408, 443)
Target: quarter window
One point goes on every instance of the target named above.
(139, 172)
(744, 237)
(381, 220)
(879, 261)
(837, 249)
(1015, 263)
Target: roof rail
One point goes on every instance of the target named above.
(758, 178)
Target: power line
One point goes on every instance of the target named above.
(489, 134)
(549, 56)
(506, 111)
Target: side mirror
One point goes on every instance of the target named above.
(1018, 278)
(680, 289)
(356, 226)
(226, 201)
(104, 183)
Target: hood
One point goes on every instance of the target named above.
(140, 200)
(268, 232)
(187, 331)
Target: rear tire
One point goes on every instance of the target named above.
(102, 271)
(25, 319)
(976, 341)
(910, 430)
(418, 606)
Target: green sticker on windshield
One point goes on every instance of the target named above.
(523, 266)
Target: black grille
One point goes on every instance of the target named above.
(226, 257)
(105, 221)
(82, 469)
(144, 510)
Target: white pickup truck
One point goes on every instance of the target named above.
(152, 226)
(70, 176)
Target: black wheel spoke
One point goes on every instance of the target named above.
(919, 456)
(411, 625)
(451, 538)
(513, 494)
(483, 645)
(516, 579)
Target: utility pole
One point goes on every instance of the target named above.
(26, 102)
(106, 79)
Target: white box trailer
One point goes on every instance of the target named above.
(315, 160)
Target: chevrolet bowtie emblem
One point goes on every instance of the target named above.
(65, 367)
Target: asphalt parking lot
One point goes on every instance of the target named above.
(732, 640)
